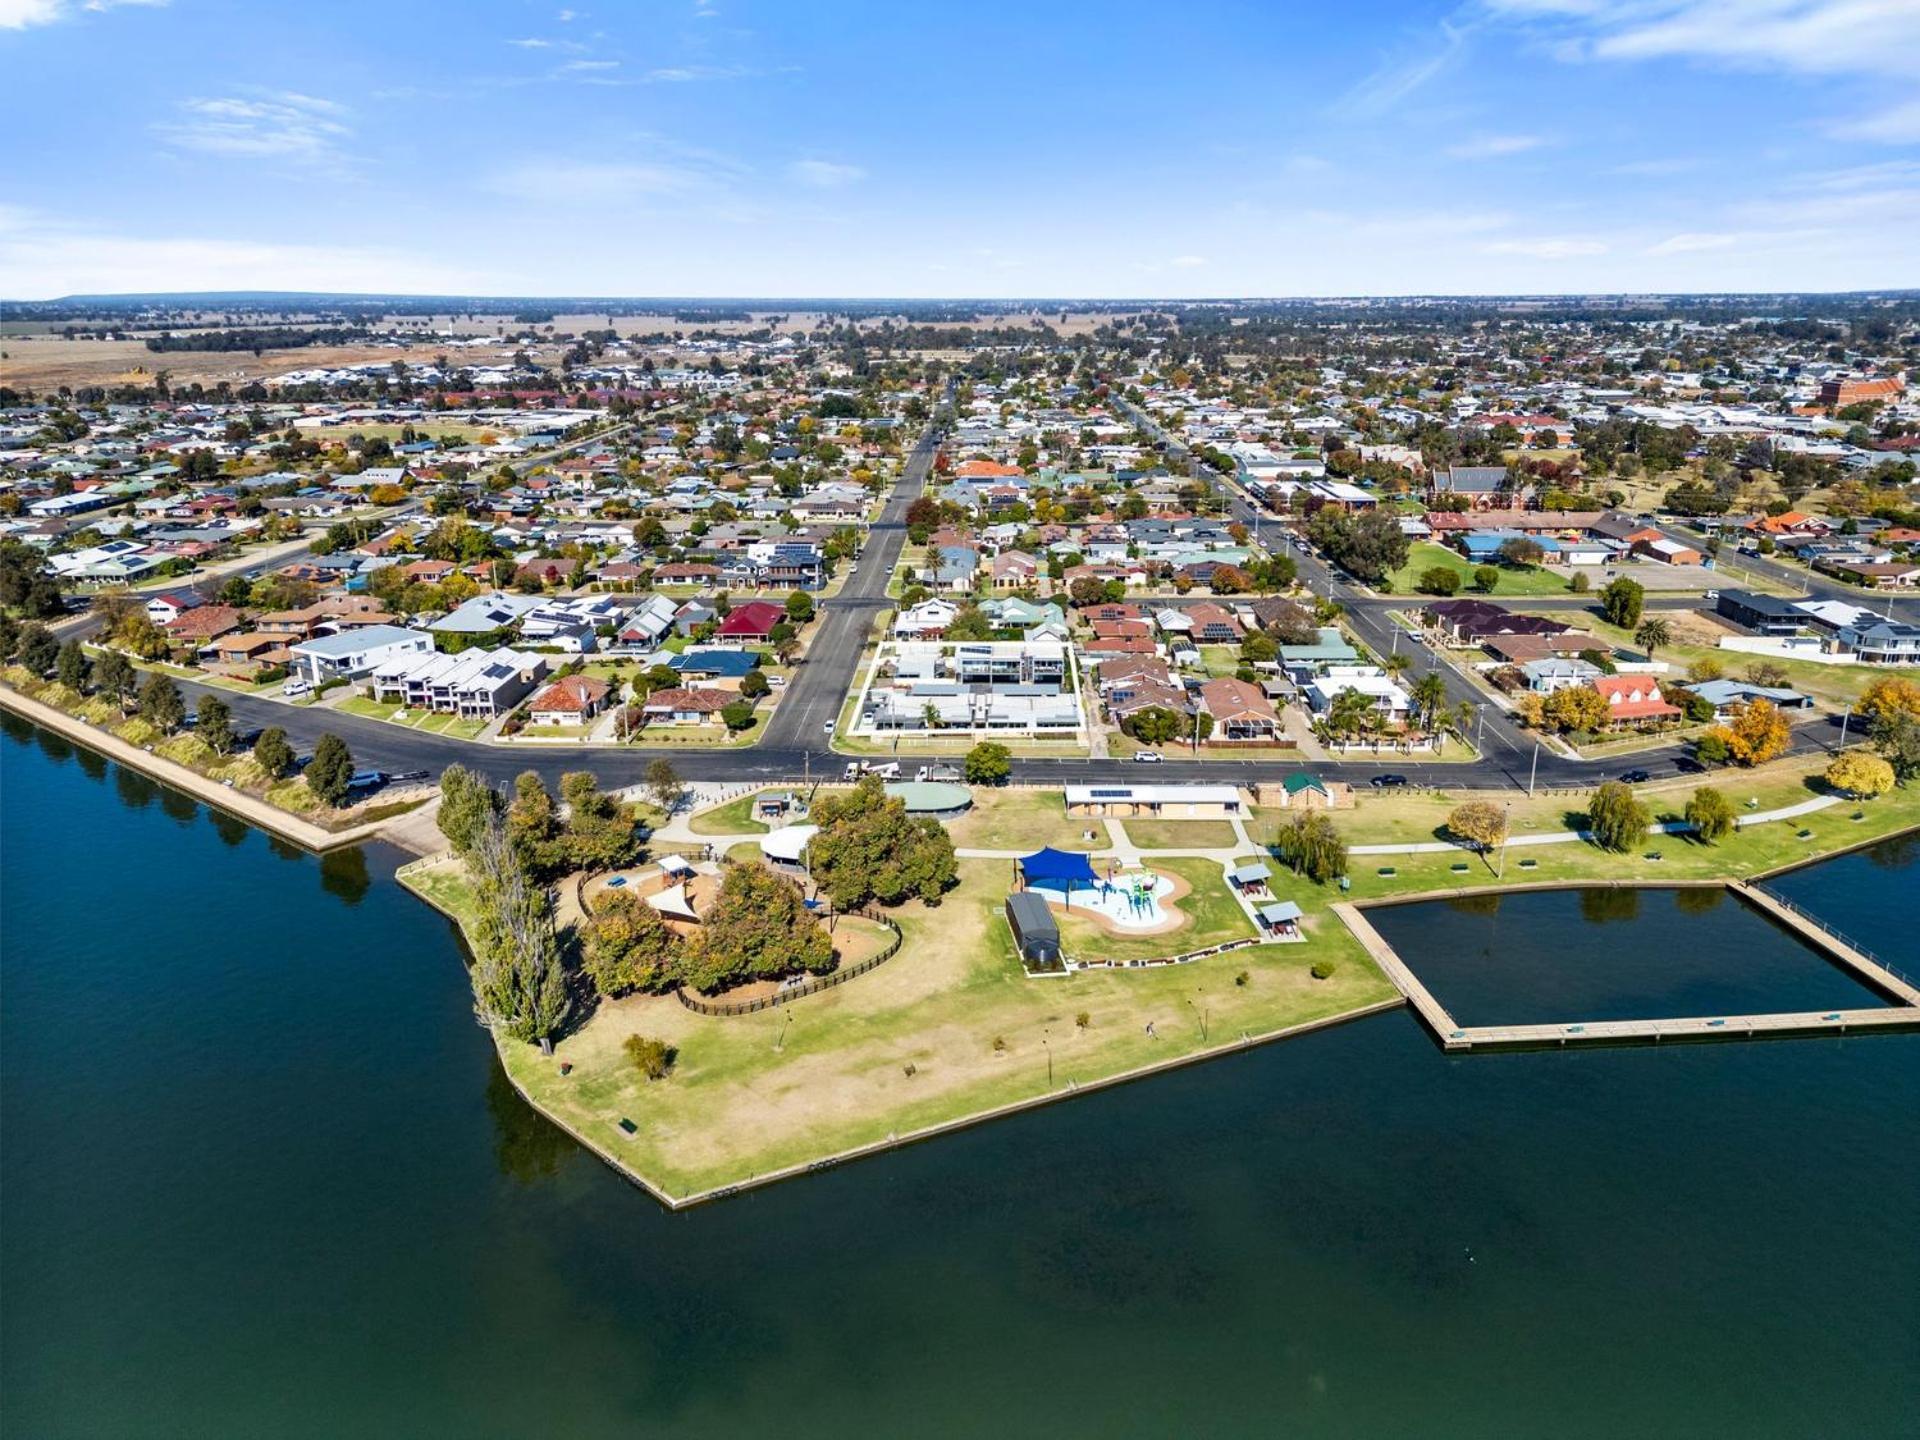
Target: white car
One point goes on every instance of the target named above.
(828, 727)
(294, 689)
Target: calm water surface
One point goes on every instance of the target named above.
(1538, 956)
(259, 1175)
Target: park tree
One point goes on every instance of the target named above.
(1621, 601)
(1710, 814)
(161, 705)
(468, 805)
(1615, 819)
(1486, 578)
(663, 785)
(213, 723)
(273, 754)
(70, 667)
(599, 833)
(628, 946)
(519, 983)
(330, 771)
(1757, 733)
(1896, 738)
(868, 848)
(1481, 823)
(1310, 842)
(1439, 580)
(37, 650)
(533, 825)
(1711, 748)
(1860, 773)
(757, 928)
(988, 763)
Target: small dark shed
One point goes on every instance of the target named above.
(1034, 930)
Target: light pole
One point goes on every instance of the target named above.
(1533, 769)
(1506, 838)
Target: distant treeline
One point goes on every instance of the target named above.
(275, 338)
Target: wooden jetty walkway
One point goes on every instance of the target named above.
(1452, 1035)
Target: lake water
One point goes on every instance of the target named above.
(259, 1175)
(1533, 957)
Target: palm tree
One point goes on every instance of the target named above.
(1652, 634)
(1429, 693)
(1349, 713)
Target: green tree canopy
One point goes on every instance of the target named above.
(869, 848)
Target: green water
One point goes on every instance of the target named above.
(259, 1175)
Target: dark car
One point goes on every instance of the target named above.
(1636, 777)
(1388, 782)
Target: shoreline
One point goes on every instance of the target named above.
(260, 814)
(872, 1148)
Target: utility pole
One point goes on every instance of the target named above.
(1534, 769)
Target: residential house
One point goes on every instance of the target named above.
(1634, 700)
(354, 653)
(1240, 712)
(570, 700)
(682, 705)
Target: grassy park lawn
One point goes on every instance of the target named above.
(1746, 852)
(733, 818)
(1180, 834)
(753, 1094)
(1514, 580)
(1411, 817)
(1023, 820)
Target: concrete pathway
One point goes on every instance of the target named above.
(1568, 837)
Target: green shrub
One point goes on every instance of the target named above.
(1322, 969)
(652, 1058)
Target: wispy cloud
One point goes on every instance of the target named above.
(1827, 37)
(1896, 125)
(1549, 247)
(1691, 241)
(276, 125)
(689, 74)
(1492, 147)
(824, 174)
(1400, 76)
(24, 14)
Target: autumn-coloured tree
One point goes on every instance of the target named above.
(1758, 733)
(1860, 773)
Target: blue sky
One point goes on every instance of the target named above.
(728, 147)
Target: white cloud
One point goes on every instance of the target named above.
(1400, 77)
(577, 66)
(824, 174)
(1690, 241)
(1897, 125)
(1824, 37)
(1549, 247)
(43, 258)
(22, 14)
(1491, 147)
(281, 125)
(578, 182)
